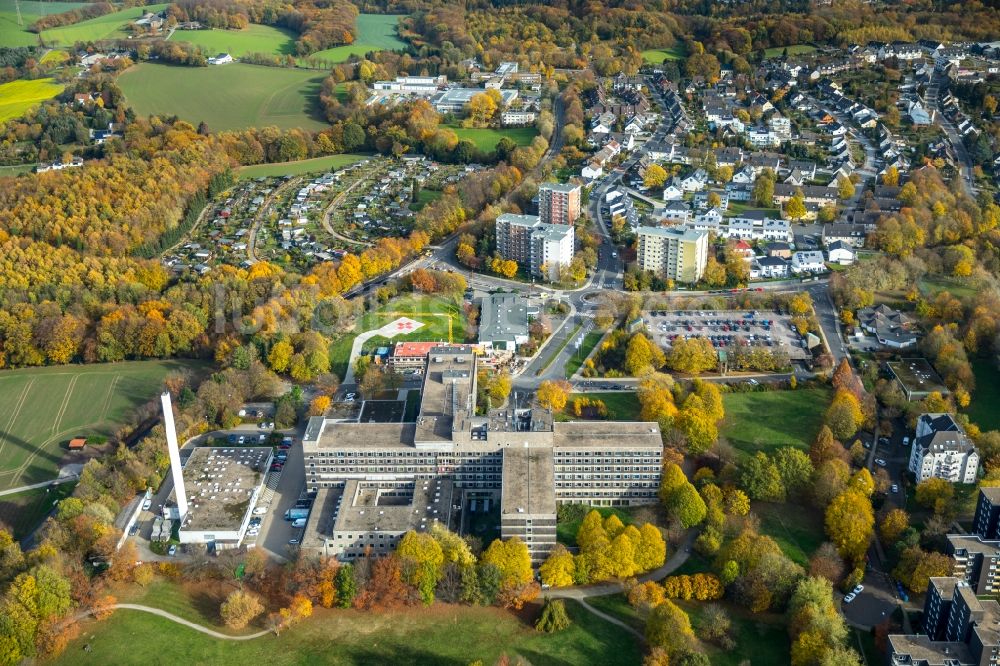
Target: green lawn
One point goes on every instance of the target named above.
(23, 512)
(108, 26)
(425, 197)
(376, 32)
(12, 34)
(486, 139)
(761, 639)
(983, 409)
(42, 408)
(316, 164)
(441, 635)
(765, 420)
(17, 97)
(255, 38)
(426, 309)
(16, 169)
(622, 405)
(226, 96)
(798, 530)
(795, 49)
(657, 56)
(589, 342)
(616, 605)
(935, 284)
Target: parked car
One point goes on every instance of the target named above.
(172, 550)
(293, 542)
(350, 397)
(858, 590)
(849, 598)
(880, 462)
(895, 488)
(260, 511)
(906, 441)
(146, 504)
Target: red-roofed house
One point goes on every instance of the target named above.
(414, 354)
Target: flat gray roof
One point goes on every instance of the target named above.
(559, 187)
(617, 434)
(528, 481)
(221, 484)
(394, 506)
(672, 232)
(447, 402)
(503, 317)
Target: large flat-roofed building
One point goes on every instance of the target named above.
(678, 254)
(503, 322)
(528, 500)
(558, 203)
(421, 85)
(222, 486)
(454, 100)
(543, 248)
(516, 456)
(917, 378)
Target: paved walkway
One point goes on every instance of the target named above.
(187, 623)
(43, 484)
(613, 620)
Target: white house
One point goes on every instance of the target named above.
(808, 262)
(771, 267)
(695, 182)
(220, 59)
(673, 191)
(745, 176)
(942, 450)
(777, 230)
(592, 171)
(839, 252)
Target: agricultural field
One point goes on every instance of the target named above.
(486, 139)
(657, 56)
(17, 97)
(109, 26)
(376, 32)
(42, 408)
(314, 165)
(766, 420)
(440, 635)
(254, 39)
(227, 96)
(12, 34)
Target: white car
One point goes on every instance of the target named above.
(895, 488)
(260, 511)
(350, 397)
(858, 590)
(880, 462)
(849, 598)
(906, 441)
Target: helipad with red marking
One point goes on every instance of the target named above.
(401, 326)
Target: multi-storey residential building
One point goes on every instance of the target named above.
(976, 561)
(676, 254)
(558, 204)
(986, 522)
(941, 449)
(970, 630)
(543, 248)
(375, 481)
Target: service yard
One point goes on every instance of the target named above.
(728, 328)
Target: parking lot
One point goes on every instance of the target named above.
(728, 328)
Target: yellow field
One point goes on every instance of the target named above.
(17, 97)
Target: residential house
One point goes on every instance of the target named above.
(890, 327)
(808, 262)
(839, 252)
(942, 450)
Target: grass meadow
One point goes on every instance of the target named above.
(226, 97)
(767, 420)
(486, 139)
(376, 32)
(109, 26)
(313, 165)
(254, 39)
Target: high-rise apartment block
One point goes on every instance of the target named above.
(558, 204)
(678, 254)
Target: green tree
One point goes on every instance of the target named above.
(761, 478)
(554, 617)
(669, 627)
(686, 506)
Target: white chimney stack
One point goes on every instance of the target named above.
(173, 449)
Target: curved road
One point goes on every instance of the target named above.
(179, 620)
